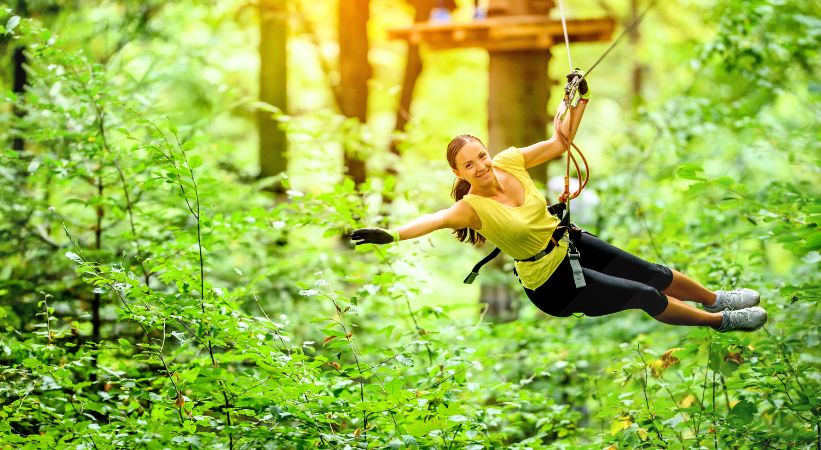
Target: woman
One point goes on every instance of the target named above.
(497, 200)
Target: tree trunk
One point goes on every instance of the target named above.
(20, 79)
(638, 67)
(413, 68)
(354, 73)
(273, 36)
(517, 101)
(517, 116)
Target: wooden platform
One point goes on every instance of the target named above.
(505, 33)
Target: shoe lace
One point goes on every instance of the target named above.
(732, 321)
(732, 298)
(738, 318)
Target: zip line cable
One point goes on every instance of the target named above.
(570, 93)
(566, 39)
(634, 24)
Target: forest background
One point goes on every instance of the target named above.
(156, 292)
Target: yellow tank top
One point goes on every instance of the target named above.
(521, 231)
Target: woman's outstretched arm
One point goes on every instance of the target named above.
(460, 215)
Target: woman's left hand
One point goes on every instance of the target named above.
(374, 236)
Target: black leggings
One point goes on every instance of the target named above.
(616, 280)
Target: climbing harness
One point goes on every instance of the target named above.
(565, 226)
(571, 100)
(557, 210)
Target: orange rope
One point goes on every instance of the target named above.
(566, 196)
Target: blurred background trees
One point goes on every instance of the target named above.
(156, 155)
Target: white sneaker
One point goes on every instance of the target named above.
(732, 300)
(747, 319)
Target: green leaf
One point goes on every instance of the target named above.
(12, 24)
(745, 411)
(814, 241)
(697, 188)
(31, 363)
(194, 161)
(673, 421)
(404, 360)
(390, 183)
(690, 172)
(725, 181)
(74, 257)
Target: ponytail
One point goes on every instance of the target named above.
(461, 188)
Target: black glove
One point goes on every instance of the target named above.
(576, 73)
(374, 236)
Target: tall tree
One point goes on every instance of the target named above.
(20, 77)
(413, 68)
(517, 115)
(354, 73)
(273, 86)
(638, 67)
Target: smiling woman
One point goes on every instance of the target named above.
(497, 200)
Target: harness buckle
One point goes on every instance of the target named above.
(576, 267)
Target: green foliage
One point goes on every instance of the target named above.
(153, 296)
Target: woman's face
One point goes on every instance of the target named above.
(473, 164)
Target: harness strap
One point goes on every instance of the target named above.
(573, 256)
(564, 225)
(475, 272)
